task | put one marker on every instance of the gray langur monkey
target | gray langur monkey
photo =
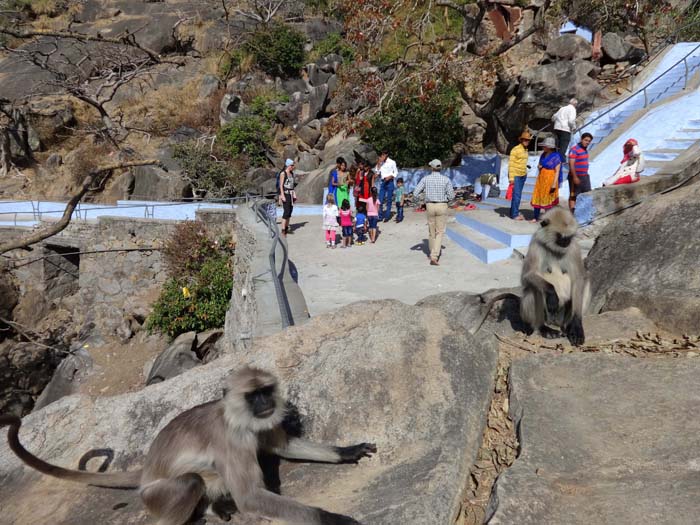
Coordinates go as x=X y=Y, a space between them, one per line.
x=209 y=453
x=555 y=287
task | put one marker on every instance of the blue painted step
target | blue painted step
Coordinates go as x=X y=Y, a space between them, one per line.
x=480 y=246
x=508 y=238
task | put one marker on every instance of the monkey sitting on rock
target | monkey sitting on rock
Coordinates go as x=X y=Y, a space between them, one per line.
x=209 y=453
x=555 y=288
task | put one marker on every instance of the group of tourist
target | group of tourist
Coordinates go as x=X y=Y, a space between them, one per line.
x=359 y=198
x=551 y=166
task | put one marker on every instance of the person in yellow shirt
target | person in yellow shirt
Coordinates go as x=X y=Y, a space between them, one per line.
x=517 y=173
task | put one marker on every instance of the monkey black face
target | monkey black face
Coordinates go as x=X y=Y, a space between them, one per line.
x=262 y=401
x=563 y=240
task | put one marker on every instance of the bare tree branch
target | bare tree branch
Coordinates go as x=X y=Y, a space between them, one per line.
x=63 y=222
x=128 y=39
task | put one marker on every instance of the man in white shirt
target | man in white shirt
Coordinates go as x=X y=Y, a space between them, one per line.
x=387 y=171
x=564 y=125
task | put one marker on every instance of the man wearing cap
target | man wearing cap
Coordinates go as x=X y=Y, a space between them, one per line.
x=287 y=195
x=438 y=191
x=579 y=180
x=517 y=173
x=387 y=171
x=564 y=124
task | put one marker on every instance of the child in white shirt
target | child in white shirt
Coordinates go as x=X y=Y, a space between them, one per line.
x=330 y=220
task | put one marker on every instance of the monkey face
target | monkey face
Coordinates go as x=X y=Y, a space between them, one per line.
x=261 y=401
x=563 y=240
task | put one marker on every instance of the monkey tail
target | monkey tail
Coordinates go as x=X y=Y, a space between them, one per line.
x=488 y=308
x=107 y=453
x=116 y=480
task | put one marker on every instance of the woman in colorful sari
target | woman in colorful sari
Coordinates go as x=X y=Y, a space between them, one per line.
x=546 y=192
x=342 y=192
x=334 y=179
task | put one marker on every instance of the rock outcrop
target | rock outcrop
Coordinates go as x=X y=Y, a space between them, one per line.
x=604 y=438
x=643 y=259
x=400 y=376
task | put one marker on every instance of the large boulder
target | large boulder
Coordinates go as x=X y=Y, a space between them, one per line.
x=644 y=258
x=569 y=47
x=616 y=49
x=551 y=86
x=604 y=439
x=304 y=107
x=310 y=189
x=179 y=357
x=401 y=376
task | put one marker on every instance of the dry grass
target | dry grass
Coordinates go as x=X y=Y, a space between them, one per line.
x=86 y=157
x=163 y=110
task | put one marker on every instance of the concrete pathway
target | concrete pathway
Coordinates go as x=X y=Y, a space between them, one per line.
x=396 y=267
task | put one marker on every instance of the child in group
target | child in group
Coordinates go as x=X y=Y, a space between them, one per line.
x=399 y=199
x=330 y=220
x=360 y=220
x=346 y=223
x=372 y=213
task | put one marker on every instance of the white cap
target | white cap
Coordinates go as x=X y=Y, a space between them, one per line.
x=288 y=162
x=435 y=164
x=549 y=143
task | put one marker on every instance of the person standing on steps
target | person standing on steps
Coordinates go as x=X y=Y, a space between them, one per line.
x=546 y=192
x=517 y=173
x=387 y=171
x=438 y=192
x=287 y=195
x=579 y=180
x=564 y=125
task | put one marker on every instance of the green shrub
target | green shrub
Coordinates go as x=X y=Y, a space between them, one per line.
x=334 y=43
x=260 y=106
x=247 y=135
x=213 y=174
x=278 y=49
x=197 y=303
x=416 y=129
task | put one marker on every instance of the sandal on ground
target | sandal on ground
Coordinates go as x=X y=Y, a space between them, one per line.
x=470 y=206
x=519 y=218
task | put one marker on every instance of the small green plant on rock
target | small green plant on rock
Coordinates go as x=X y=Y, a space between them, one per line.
x=278 y=49
x=197 y=293
x=249 y=136
x=208 y=171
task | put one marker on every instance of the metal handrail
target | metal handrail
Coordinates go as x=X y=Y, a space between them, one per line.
x=644 y=89
x=261 y=208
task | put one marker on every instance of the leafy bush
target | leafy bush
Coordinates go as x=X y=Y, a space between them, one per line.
x=198 y=303
x=417 y=128
x=278 y=49
x=196 y=295
x=187 y=249
x=334 y=43
x=210 y=172
x=247 y=135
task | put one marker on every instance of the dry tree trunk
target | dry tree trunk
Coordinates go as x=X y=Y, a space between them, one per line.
x=5 y=152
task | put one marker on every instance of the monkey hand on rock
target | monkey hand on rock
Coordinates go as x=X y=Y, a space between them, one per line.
x=330 y=518
x=574 y=332
x=355 y=453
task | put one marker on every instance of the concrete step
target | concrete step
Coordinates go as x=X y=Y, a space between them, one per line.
x=477 y=244
x=679 y=143
x=663 y=154
x=501 y=229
